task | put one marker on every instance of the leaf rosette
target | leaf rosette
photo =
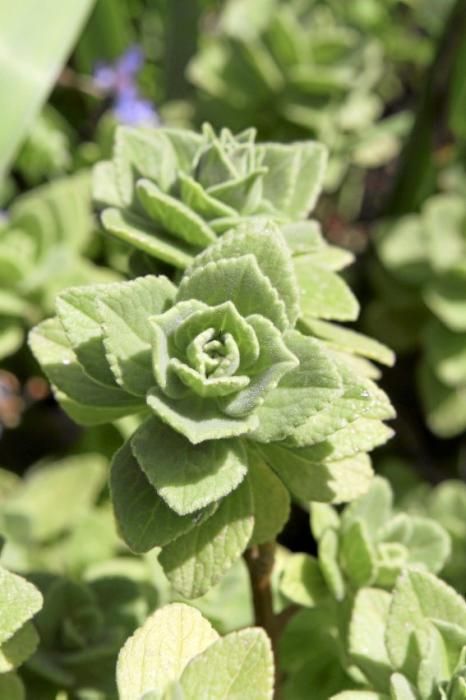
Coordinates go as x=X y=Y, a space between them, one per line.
x=170 y=192
x=231 y=394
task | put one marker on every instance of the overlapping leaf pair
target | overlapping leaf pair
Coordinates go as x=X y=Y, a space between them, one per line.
x=227 y=385
x=432 y=272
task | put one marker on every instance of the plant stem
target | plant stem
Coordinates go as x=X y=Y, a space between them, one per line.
x=260 y=561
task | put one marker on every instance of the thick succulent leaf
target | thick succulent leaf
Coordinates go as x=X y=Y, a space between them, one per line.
x=240 y=281
x=295 y=175
x=366 y=638
x=186 y=144
x=188 y=477
x=304 y=237
x=330 y=258
x=198 y=419
x=330 y=482
x=200 y=201
x=141 y=235
x=349 y=340
x=18 y=648
x=419 y=597
x=243 y=193
x=401 y=688
x=142 y=153
x=196 y=561
x=173 y=216
x=238 y=666
x=124 y=311
x=275 y=360
x=262 y=239
x=157 y=653
x=95 y=402
x=302 y=392
x=19 y=603
x=143 y=518
x=271 y=502
x=78 y=313
x=33 y=513
x=302 y=581
x=324 y=294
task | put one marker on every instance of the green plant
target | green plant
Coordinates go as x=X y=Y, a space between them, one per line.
x=365 y=548
x=427 y=283
x=178 y=654
x=299 y=69
x=42 y=241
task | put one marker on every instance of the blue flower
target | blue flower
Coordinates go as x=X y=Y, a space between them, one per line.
x=119 y=81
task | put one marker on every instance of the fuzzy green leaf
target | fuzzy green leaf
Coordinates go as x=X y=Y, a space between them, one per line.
x=323 y=293
x=157 y=653
x=196 y=561
x=20 y=601
x=271 y=502
x=124 y=311
x=188 y=477
x=302 y=581
x=238 y=666
x=144 y=520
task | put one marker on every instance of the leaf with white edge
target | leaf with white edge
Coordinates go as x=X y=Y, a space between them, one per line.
x=366 y=637
x=324 y=294
x=34 y=514
x=302 y=581
x=198 y=419
x=271 y=502
x=145 y=236
x=173 y=216
x=18 y=648
x=142 y=153
x=20 y=601
x=264 y=240
x=196 y=561
x=238 y=666
x=240 y=281
x=330 y=482
x=143 y=518
x=11 y=687
x=349 y=340
x=302 y=392
x=124 y=312
x=188 y=477
x=96 y=402
x=295 y=175
x=157 y=653
x=419 y=597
